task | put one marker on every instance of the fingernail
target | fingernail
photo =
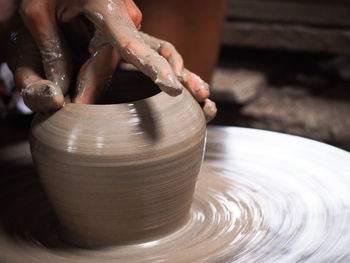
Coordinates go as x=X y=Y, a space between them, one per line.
x=209 y=109
x=202 y=93
x=43 y=97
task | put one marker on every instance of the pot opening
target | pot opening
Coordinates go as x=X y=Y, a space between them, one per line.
x=128 y=86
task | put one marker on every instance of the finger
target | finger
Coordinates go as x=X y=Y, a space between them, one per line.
x=55 y=57
x=198 y=87
x=24 y=60
x=96 y=74
x=39 y=95
x=167 y=50
x=129 y=43
x=209 y=110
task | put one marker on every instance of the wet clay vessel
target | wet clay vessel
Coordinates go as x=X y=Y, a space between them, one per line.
x=290 y=203
x=120 y=173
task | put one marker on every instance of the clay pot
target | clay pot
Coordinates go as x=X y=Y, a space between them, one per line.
x=123 y=172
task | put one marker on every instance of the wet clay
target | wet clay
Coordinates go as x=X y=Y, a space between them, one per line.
x=116 y=20
x=117 y=23
x=23 y=58
x=198 y=88
x=91 y=82
x=120 y=173
x=96 y=73
x=288 y=204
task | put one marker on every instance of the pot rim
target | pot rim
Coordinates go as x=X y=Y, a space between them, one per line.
x=158 y=96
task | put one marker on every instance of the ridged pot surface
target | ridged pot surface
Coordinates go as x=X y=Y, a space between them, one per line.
x=123 y=172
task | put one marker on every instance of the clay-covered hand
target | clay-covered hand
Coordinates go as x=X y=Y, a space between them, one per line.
x=117 y=23
x=88 y=87
x=20 y=52
x=198 y=88
x=117 y=35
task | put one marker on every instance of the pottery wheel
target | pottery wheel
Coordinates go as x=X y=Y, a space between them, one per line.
x=261 y=197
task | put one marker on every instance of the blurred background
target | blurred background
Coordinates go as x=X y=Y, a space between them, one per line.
x=283 y=66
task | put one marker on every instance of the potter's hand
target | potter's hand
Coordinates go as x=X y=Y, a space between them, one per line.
x=198 y=88
x=22 y=56
x=116 y=22
x=87 y=88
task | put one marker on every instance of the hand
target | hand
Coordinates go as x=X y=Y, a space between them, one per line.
x=116 y=22
x=198 y=88
x=116 y=36
x=22 y=56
